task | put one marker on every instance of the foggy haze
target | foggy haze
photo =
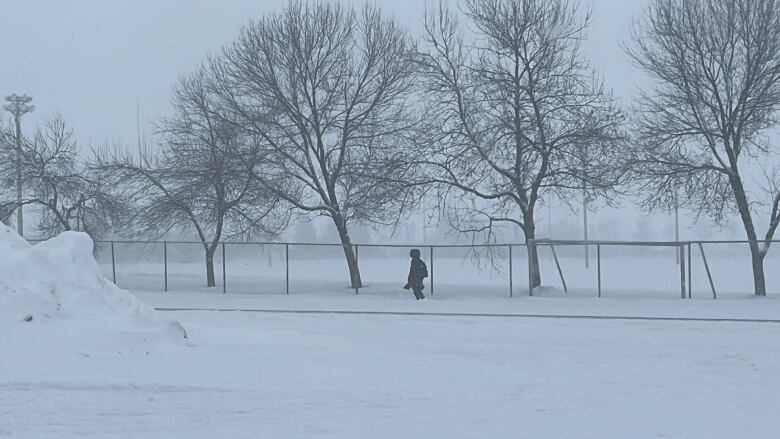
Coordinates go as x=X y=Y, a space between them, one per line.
x=97 y=62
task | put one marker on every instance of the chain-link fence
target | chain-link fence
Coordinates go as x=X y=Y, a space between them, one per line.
x=698 y=269
x=690 y=269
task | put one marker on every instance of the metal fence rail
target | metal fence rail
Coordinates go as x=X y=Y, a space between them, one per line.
x=501 y=256
x=685 y=278
x=683 y=250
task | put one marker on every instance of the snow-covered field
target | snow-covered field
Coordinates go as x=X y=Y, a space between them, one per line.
x=468 y=362
x=384 y=376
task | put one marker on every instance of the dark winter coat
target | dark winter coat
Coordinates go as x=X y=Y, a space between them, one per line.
x=417 y=272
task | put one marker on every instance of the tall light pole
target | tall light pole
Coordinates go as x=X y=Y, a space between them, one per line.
x=677 y=226
x=549 y=219
x=19 y=106
x=584 y=157
x=585 y=221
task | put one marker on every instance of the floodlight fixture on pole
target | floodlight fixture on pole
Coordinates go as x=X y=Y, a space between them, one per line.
x=18 y=106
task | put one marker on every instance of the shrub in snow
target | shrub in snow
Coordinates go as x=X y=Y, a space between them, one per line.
x=60 y=278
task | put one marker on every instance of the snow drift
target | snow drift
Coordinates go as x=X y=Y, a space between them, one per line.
x=59 y=279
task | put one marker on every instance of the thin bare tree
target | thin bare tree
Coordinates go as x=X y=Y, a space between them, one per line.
x=328 y=88
x=513 y=108
x=202 y=178
x=715 y=96
x=67 y=195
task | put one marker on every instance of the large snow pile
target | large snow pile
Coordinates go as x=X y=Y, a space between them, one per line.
x=59 y=279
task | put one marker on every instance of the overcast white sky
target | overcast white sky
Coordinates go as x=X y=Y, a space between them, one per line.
x=93 y=60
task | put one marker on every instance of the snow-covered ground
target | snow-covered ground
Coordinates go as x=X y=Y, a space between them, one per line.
x=469 y=362
x=385 y=376
x=58 y=282
x=551 y=303
x=55 y=305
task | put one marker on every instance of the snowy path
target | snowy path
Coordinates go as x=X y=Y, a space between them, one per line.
x=371 y=376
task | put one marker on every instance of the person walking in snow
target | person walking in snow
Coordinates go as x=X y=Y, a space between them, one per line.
x=417 y=272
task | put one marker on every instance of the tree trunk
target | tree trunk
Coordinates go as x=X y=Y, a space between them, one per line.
x=210 y=279
x=757 y=252
x=757 y=258
x=529 y=230
x=349 y=252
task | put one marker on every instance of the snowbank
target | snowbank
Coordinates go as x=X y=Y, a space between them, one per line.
x=59 y=279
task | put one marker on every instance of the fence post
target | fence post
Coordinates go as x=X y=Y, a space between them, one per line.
x=598 y=265
x=510 y=271
x=431 y=251
x=707 y=267
x=113 y=262
x=560 y=272
x=287 y=267
x=224 y=271
x=681 y=254
x=690 y=273
x=165 y=263
x=357 y=262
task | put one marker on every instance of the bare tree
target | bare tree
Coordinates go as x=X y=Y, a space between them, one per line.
x=203 y=177
x=716 y=71
x=512 y=110
x=67 y=194
x=328 y=89
x=6 y=136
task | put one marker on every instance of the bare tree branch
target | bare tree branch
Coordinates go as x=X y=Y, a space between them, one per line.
x=67 y=195
x=514 y=112
x=203 y=177
x=715 y=67
x=328 y=89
